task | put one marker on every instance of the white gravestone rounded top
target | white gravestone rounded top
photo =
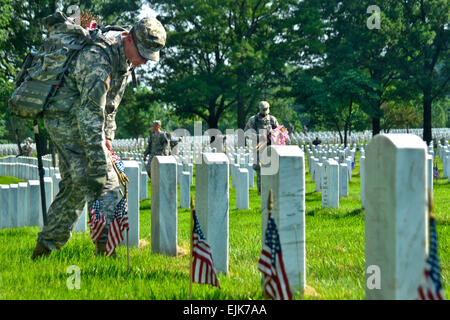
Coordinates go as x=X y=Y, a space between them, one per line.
x=395 y=215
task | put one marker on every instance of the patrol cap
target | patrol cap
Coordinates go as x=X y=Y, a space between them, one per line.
x=156 y=123
x=149 y=37
x=264 y=105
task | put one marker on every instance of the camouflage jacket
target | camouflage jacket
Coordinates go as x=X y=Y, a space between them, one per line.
x=96 y=71
x=158 y=144
x=92 y=89
x=257 y=123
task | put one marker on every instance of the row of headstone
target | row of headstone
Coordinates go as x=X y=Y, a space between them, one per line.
x=444 y=154
x=21 y=203
x=396 y=248
x=22 y=170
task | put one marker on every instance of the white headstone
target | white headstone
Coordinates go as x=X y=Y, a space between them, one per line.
x=242 y=201
x=285 y=176
x=343 y=180
x=430 y=172
x=185 y=190
x=13 y=193
x=395 y=215
x=143 y=185
x=330 y=187
x=4 y=207
x=48 y=187
x=318 y=169
x=35 y=208
x=81 y=225
x=22 y=204
x=212 y=205
x=164 y=205
x=362 y=168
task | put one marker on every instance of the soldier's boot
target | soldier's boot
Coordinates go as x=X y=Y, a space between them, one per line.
x=100 y=249
x=40 y=251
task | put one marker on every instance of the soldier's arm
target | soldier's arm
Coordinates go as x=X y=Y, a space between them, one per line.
x=149 y=146
x=275 y=122
x=92 y=72
x=250 y=124
x=110 y=113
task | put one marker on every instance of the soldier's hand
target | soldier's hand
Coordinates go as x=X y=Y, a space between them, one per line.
x=108 y=144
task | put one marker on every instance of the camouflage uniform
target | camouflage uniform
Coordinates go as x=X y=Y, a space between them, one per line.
x=26 y=147
x=158 y=145
x=257 y=123
x=78 y=125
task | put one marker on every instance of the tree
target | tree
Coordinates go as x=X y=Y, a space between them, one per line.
x=223 y=54
x=21 y=29
x=422 y=45
x=336 y=99
x=400 y=116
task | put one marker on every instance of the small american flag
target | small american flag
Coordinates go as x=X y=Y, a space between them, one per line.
x=98 y=221
x=202 y=265
x=432 y=287
x=435 y=173
x=276 y=284
x=117 y=226
x=116 y=161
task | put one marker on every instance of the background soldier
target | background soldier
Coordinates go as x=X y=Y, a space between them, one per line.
x=81 y=123
x=27 y=148
x=263 y=124
x=158 y=145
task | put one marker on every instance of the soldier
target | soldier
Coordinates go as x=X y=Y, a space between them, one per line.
x=26 y=148
x=263 y=124
x=159 y=144
x=81 y=123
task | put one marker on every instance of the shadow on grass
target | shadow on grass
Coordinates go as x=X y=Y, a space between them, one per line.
x=355 y=212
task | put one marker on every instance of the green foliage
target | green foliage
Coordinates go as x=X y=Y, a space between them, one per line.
x=315 y=61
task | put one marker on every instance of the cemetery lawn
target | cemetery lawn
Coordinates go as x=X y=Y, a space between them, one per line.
x=10 y=180
x=334 y=256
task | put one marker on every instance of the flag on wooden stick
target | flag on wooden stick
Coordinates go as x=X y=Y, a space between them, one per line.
x=98 y=221
x=275 y=281
x=431 y=287
x=202 y=267
x=117 y=226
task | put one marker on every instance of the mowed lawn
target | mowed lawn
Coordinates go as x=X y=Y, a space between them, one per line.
x=334 y=256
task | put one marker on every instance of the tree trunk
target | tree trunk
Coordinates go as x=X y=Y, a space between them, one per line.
x=427 y=103
x=213 y=122
x=241 y=114
x=376 y=127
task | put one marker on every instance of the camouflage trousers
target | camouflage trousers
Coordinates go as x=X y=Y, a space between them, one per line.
x=148 y=166
x=257 y=169
x=66 y=208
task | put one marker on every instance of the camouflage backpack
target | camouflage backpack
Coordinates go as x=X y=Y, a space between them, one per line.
x=43 y=71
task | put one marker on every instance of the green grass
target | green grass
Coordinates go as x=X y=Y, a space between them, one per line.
x=334 y=256
x=10 y=180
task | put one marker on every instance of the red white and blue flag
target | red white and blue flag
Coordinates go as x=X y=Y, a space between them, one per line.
x=275 y=281
x=117 y=162
x=431 y=287
x=98 y=221
x=202 y=264
x=117 y=226
x=435 y=173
